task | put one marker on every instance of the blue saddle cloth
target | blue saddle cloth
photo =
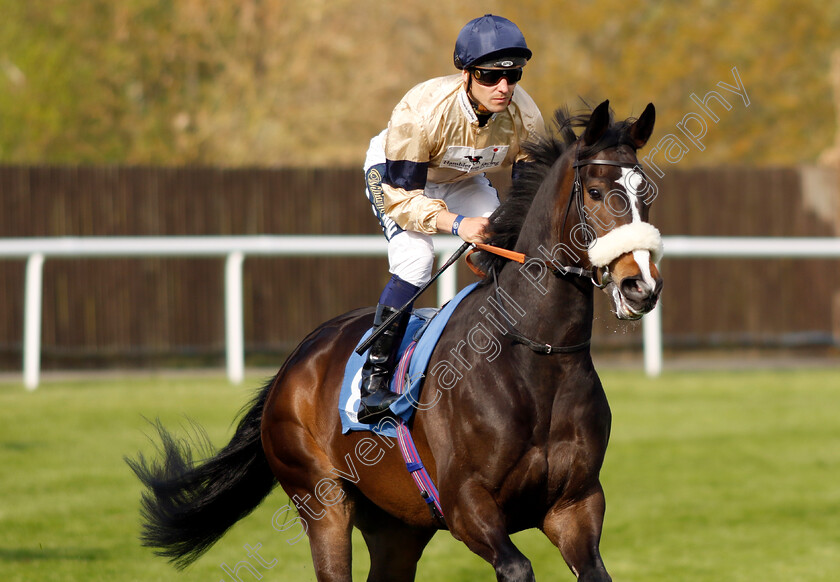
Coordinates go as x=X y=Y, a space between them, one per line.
x=421 y=324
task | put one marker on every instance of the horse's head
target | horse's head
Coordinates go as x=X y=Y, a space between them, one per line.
x=599 y=199
x=612 y=197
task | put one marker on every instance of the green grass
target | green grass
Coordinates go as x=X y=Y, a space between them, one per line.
x=710 y=476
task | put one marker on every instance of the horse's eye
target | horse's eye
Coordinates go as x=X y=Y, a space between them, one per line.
x=594 y=193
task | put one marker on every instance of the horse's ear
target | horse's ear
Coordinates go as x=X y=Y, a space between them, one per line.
x=599 y=121
x=641 y=130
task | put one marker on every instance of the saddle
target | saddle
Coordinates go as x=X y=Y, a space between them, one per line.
x=421 y=336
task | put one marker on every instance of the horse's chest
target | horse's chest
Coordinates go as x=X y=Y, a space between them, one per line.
x=564 y=461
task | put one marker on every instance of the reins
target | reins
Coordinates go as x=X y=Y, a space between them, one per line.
x=522 y=258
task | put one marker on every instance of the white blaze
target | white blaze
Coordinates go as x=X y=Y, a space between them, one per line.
x=642 y=259
x=631 y=180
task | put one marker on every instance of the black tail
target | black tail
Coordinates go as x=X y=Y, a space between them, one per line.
x=190 y=504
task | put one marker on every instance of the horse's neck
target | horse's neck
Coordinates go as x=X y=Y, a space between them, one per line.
x=551 y=309
x=559 y=309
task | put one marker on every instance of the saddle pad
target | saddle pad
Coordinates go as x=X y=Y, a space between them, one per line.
x=348 y=401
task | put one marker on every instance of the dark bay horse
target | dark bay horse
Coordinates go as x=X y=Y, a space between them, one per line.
x=513 y=422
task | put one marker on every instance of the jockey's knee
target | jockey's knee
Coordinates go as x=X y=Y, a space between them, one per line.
x=411 y=256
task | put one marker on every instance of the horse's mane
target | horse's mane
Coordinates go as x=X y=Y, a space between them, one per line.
x=543 y=152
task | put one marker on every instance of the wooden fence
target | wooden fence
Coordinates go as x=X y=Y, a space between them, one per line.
x=158 y=311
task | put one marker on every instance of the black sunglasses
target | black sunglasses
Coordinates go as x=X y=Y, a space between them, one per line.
x=490 y=77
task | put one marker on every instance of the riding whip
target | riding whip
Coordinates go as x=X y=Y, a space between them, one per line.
x=381 y=329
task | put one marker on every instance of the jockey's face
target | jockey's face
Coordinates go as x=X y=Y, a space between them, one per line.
x=491 y=98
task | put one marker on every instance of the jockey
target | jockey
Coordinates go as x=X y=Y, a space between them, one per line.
x=427 y=173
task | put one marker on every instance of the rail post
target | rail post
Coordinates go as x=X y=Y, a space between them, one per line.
x=33 y=301
x=234 y=326
x=447 y=283
x=652 y=341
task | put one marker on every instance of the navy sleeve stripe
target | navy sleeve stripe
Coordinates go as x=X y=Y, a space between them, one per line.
x=406 y=175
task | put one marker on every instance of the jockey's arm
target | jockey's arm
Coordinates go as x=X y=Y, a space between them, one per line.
x=473 y=229
x=411 y=210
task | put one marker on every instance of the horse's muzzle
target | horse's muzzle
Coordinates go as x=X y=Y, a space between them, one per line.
x=636 y=285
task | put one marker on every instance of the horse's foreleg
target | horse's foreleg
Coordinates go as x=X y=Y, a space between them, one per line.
x=576 y=530
x=478 y=521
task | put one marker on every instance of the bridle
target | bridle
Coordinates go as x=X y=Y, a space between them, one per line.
x=600 y=277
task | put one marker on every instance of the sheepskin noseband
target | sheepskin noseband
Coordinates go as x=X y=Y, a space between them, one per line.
x=636 y=236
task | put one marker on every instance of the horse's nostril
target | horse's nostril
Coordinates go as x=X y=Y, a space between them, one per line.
x=635 y=288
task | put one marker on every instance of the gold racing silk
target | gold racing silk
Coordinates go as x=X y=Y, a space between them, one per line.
x=434 y=136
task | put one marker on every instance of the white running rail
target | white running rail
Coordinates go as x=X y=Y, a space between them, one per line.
x=233 y=248
x=236 y=248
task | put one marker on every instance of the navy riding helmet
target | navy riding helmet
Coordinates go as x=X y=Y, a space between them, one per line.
x=483 y=40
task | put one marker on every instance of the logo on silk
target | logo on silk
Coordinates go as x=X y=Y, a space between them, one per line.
x=374 y=184
x=470 y=160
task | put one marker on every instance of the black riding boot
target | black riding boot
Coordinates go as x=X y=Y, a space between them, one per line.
x=376 y=373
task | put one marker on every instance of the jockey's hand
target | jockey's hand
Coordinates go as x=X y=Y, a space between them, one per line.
x=474 y=229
